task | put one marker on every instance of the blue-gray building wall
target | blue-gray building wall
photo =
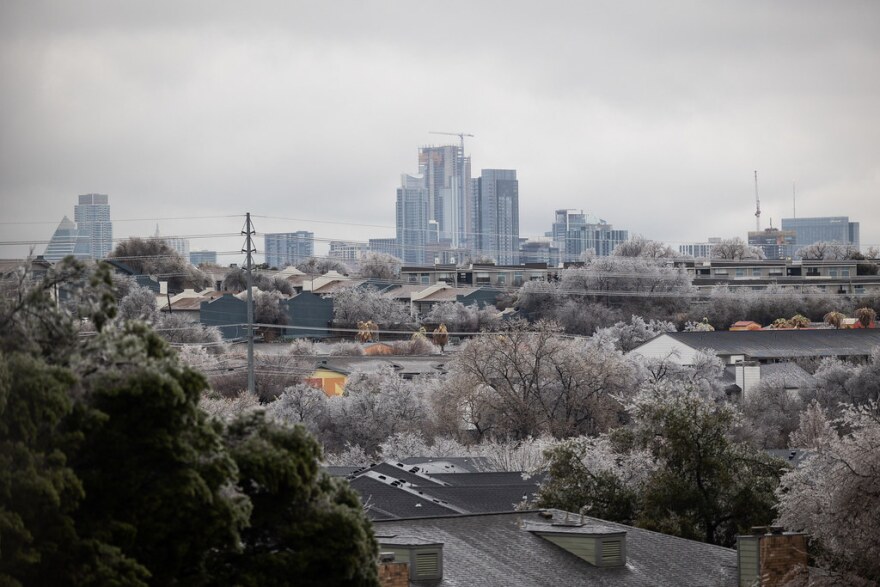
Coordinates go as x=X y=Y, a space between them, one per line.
x=308 y=316
x=823 y=229
x=228 y=313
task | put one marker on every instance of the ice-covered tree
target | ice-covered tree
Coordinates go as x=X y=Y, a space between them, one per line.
x=772 y=412
x=736 y=249
x=592 y=476
x=536 y=381
x=360 y=304
x=379 y=266
x=155 y=257
x=639 y=246
x=827 y=251
x=320 y=266
x=833 y=496
x=626 y=336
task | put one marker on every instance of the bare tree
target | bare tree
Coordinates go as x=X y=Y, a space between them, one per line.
x=532 y=382
x=379 y=266
x=735 y=248
x=828 y=251
x=639 y=246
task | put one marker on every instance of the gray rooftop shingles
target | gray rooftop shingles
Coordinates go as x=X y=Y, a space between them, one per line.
x=496 y=550
x=779 y=344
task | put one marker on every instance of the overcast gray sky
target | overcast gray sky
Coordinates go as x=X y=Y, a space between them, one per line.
x=650 y=115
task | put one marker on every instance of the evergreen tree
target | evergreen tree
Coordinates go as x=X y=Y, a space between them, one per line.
x=110 y=474
x=306 y=528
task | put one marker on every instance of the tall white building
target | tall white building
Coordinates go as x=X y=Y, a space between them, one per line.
x=413 y=215
x=92 y=217
x=289 y=248
x=88 y=236
x=447 y=172
x=496 y=215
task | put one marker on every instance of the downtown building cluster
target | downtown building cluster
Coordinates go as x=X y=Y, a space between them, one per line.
x=443 y=216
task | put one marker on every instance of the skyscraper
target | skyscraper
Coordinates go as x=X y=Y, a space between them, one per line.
x=67 y=240
x=823 y=228
x=288 y=248
x=776 y=244
x=565 y=223
x=413 y=214
x=496 y=215
x=446 y=172
x=92 y=217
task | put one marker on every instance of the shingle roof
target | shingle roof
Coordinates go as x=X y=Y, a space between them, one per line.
x=780 y=344
x=383 y=501
x=497 y=549
x=436 y=465
x=792 y=374
x=456 y=493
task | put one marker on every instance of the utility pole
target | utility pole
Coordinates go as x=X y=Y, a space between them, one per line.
x=249 y=250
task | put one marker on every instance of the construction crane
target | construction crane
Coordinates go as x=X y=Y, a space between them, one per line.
x=757 y=205
x=460 y=135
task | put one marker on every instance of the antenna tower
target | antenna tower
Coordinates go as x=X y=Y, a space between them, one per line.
x=249 y=249
x=757 y=205
x=793 y=200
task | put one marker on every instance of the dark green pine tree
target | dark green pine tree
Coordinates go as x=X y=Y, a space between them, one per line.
x=306 y=528
x=39 y=492
x=157 y=479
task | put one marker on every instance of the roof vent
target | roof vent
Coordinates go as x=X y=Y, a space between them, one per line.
x=599 y=545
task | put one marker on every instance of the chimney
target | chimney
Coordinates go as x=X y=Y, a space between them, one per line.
x=423 y=559
x=392 y=573
x=748 y=374
x=770 y=557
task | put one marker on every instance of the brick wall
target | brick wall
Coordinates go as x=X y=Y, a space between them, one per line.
x=394 y=574
x=782 y=556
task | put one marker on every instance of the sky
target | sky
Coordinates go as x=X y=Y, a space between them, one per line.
x=652 y=116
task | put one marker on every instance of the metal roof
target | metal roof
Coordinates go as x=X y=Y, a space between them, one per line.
x=783 y=344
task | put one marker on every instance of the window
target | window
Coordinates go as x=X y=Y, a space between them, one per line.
x=756 y=272
x=517 y=278
x=844 y=272
x=502 y=279
x=740 y=272
x=482 y=278
x=832 y=272
x=721 y=272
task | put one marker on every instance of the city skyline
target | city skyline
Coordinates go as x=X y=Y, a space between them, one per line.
x=653 y=118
